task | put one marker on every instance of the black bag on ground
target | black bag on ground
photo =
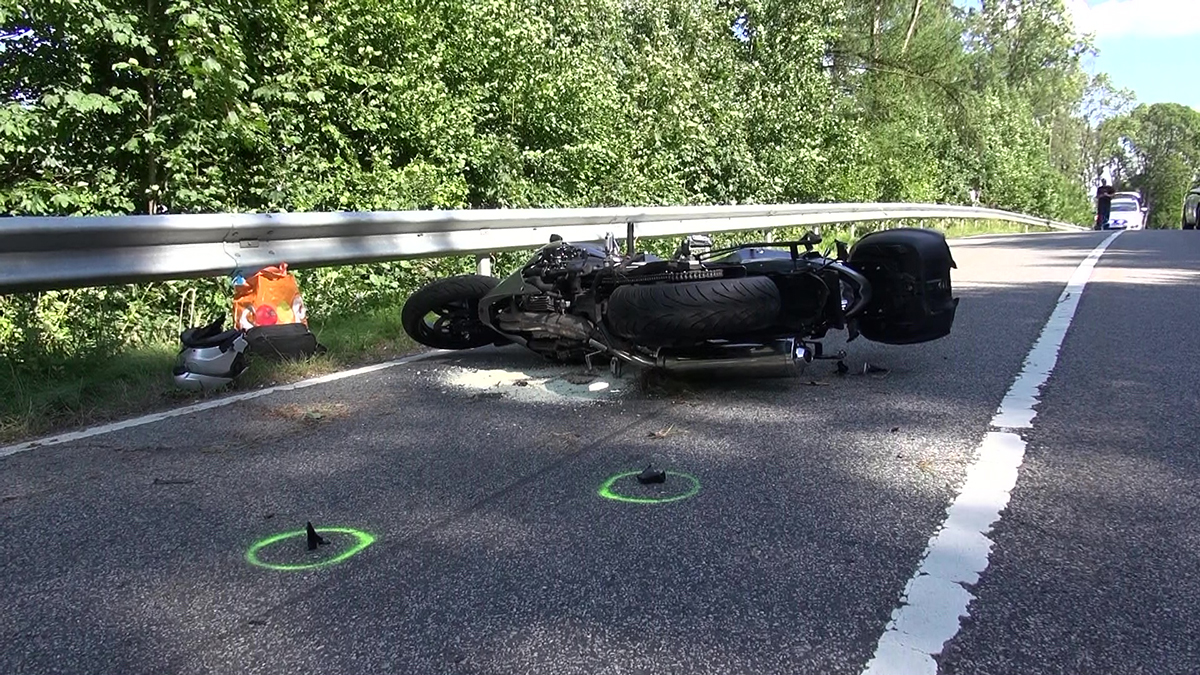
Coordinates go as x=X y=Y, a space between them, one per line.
x=288 y=341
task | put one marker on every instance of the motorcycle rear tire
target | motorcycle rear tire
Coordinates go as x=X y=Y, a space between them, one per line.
x=458 y=295
x=693 y=310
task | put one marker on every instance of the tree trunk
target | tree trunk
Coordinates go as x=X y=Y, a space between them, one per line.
x=876 y=29
x=151 y=157
x=912 y=26
x=151 y=153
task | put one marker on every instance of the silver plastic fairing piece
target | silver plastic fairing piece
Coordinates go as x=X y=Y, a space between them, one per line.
x=209 y=368
x=197 y=382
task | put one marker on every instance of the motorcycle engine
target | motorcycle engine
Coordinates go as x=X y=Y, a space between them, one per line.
x=562 y=259
x=538 y=303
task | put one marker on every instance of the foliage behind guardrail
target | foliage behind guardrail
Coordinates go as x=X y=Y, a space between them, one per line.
x=46 y=327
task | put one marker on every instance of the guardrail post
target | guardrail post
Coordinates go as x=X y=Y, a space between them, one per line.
x=768 y=236
x=483 y=264
x=629 y=237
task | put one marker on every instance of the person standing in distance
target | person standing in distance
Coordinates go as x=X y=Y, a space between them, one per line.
x=1104 y=195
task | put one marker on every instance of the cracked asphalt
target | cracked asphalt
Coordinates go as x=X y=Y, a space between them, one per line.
x=494 y=553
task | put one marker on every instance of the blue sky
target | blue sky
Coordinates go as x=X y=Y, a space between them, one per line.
x=1149 y=46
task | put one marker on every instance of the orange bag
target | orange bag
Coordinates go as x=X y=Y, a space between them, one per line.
x=270 y=297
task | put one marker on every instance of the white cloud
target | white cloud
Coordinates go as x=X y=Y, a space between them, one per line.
x=1142 y=18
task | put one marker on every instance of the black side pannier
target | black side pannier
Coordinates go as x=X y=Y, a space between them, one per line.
x=909 y=271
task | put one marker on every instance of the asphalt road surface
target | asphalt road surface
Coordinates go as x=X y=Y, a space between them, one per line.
x=478 y=476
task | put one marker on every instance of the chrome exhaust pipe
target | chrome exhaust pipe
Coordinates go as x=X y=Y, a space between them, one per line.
x=785 y=358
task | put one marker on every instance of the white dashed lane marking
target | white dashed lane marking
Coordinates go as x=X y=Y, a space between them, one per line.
x=935 y=600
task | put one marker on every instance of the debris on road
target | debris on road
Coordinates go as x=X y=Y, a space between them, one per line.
x=540 y=385
x=869 y=368
x=314 y=539
x=662 y=433
x=651 y=475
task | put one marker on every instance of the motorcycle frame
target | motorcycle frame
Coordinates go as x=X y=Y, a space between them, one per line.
x=773 y=354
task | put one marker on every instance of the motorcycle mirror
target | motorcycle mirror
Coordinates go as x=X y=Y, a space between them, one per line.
x=610 y=246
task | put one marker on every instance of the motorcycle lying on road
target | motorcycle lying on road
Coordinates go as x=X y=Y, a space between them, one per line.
x=755 y=309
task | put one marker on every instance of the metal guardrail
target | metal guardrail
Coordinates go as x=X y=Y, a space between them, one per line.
x=41 y=253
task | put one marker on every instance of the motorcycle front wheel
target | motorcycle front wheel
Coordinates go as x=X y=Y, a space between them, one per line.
x=444 y=314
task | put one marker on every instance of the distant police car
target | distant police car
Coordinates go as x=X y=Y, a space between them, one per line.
x=1126 y=212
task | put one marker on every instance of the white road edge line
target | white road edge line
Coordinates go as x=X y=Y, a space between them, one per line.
x=935 y=600
x=208 y=405
x=1014 y=234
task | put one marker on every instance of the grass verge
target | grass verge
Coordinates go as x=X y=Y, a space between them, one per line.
x=71 y=393
x=957 y=229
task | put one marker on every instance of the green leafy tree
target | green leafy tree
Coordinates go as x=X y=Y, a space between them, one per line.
x=1158 y=153
x=148 y=106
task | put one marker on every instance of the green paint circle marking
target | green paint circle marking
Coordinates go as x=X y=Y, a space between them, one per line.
x=606 y=489
x=361 y=541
